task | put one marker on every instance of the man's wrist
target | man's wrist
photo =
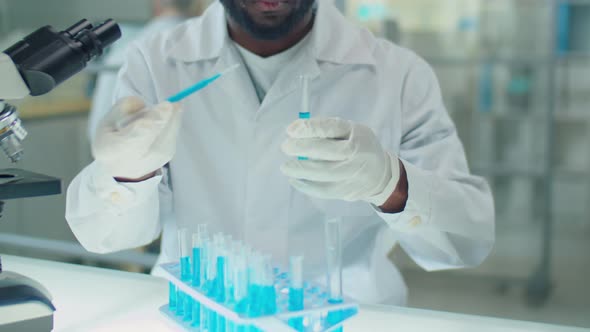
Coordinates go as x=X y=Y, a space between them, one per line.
x=396 y=203
x=141 y=179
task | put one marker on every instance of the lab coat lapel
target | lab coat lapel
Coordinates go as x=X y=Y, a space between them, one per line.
x=237 y=84
x=289 y=78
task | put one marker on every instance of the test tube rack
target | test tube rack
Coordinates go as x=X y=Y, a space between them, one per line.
x=318 y=315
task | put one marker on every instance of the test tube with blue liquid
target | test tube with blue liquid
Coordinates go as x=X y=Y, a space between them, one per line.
x=184 y=304
x=204 y=279
x=240 y=289
x=296 y=295
x=198 y=240
x=220 y=282
x=268 y=287
x=334 y=262
x=172 y=296
x=210 y=288
x=305 y=112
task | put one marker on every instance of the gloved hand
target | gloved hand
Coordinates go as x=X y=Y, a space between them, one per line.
x=346 y=161
x=143 y=146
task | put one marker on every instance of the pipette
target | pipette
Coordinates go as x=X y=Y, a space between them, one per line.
x=177 y=97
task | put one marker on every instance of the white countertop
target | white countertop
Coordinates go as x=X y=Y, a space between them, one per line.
x=92 y=299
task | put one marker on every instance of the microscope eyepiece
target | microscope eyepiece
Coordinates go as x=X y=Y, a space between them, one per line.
x=78 y=27
x=46 y=58
x=108 y=32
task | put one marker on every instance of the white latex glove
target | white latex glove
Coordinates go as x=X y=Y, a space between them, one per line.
x=143 y=146
x=346 y=161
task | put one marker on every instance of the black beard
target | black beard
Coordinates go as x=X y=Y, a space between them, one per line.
x=241 y=17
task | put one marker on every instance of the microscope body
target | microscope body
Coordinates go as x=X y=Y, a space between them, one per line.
x=32 y=67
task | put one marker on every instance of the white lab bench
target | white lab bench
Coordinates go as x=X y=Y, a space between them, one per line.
x=93 y=299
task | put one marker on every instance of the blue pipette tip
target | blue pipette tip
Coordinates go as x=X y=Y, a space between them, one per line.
x=200 y=85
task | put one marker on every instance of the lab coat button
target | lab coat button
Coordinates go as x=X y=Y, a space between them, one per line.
x=116 y=197
x=415 y=222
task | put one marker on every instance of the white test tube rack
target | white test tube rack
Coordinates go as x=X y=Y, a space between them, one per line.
x=278 y=322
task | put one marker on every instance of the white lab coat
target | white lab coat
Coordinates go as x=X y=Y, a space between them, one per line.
x=226 y=168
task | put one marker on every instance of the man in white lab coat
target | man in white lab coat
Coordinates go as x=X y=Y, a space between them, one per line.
x=383 y=154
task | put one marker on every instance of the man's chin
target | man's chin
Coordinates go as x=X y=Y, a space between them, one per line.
x=267 y=25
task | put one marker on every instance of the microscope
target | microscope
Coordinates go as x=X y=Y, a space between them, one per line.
x=34 y=66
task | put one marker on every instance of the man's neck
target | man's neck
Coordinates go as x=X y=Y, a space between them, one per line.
x=168 y=12
x=266 y=48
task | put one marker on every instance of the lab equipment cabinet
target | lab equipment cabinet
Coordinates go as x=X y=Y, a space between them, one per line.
x=515 y=77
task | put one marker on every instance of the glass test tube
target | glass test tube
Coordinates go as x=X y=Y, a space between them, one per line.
x=254 y=285
x=296 y=295
x=269 y=291
x=240 y=285
x=305 y=112
x=198 y=240
x=334 y=259
x=185 y=244
x=172 y=296
x=184 y=249
x=334 y=262
x=205 y=248
x=221 y=260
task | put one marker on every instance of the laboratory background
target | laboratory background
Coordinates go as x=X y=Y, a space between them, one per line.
x=515 y=76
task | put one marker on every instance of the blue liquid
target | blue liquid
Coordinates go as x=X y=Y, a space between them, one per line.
x=196 y=281
x=180 y=303
x=221 y=322
x=212 y=319
x=305 y=116
x=185 y=268
x=270 y=300
x=296 y=297
x=242 y=328
x=255 y=301
x=335 y=317
x=242 y=308
x=196 y=314
x=220 y=284
x=210 y=315
x=188 y=308
x=204 y=321
x=172 y=297
x=196 y=267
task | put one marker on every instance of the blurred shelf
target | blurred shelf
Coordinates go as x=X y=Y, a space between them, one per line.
x=572 y=116
x=504 y=171
x=34 y=110
x=573 y=172
x=576 y=2
x=579 y=117
x=516 y=115
x=495 y=60
x=574 y=55
x=507 y=170
x=560 y=59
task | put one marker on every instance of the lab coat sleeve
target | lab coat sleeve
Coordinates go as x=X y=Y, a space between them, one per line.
x=448 y=221
x=108 y=216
